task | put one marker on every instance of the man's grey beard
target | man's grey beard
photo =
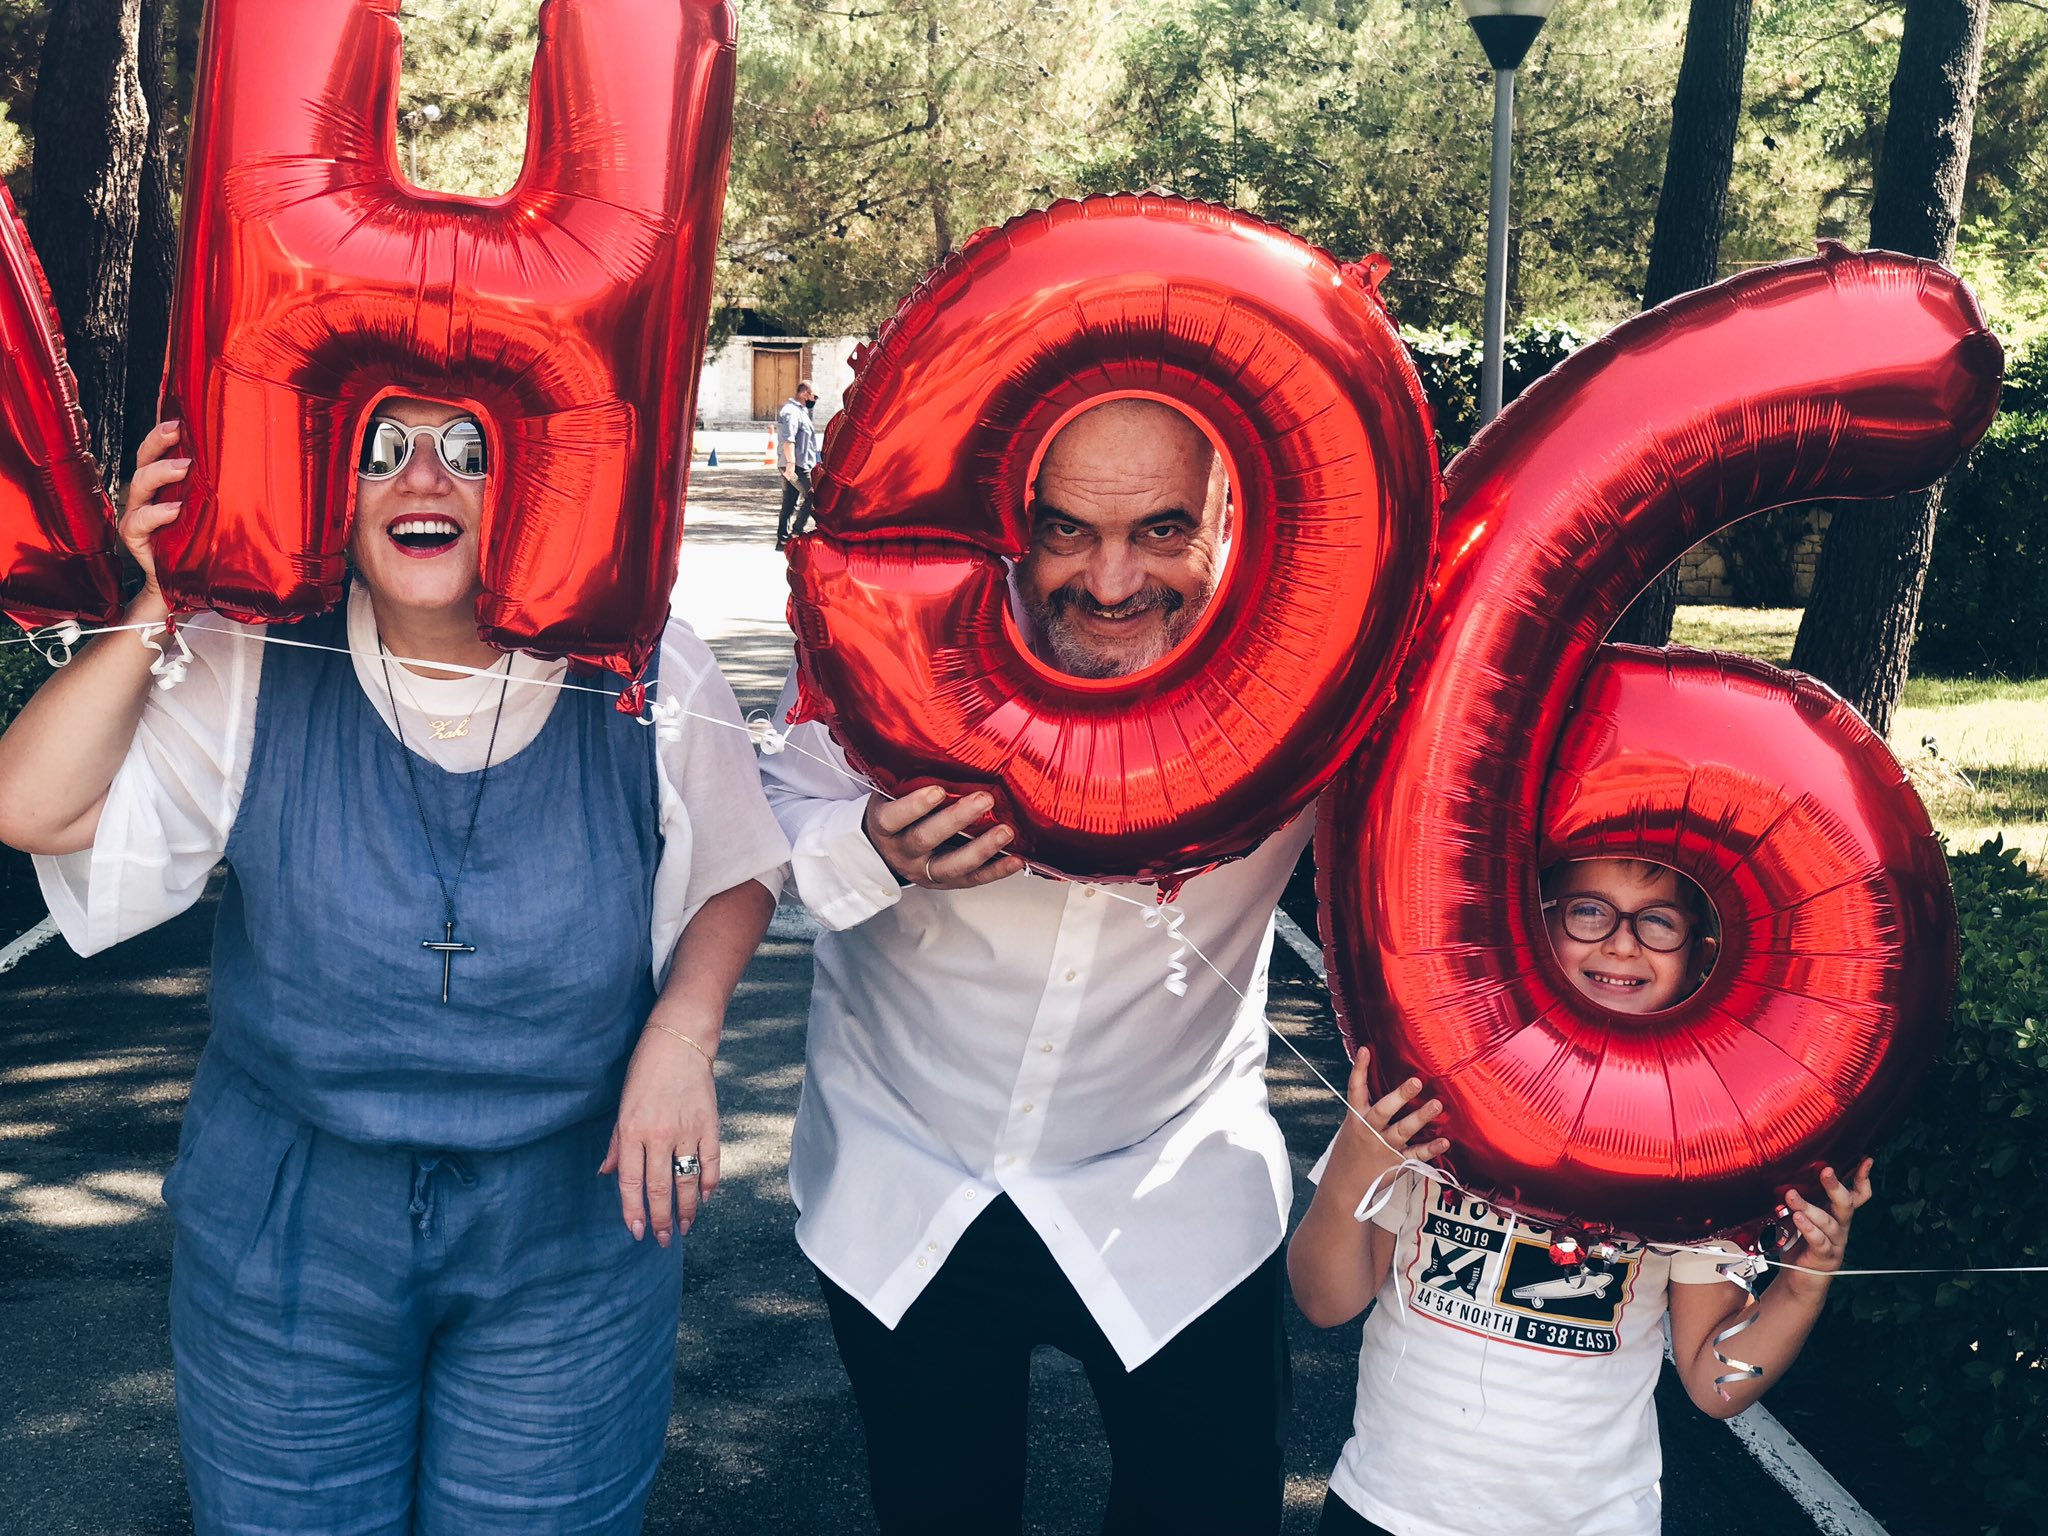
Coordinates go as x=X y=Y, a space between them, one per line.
x=1075 y=656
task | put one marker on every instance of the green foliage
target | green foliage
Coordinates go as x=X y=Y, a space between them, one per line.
x=21 y=672
x=463 y=92
x=1964 y=1363
x=870 y=143
x=1449 y=361
x=1363 y=125
x=1985 y=608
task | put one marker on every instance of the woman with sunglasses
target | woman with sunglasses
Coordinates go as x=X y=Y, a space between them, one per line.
x=474 y=952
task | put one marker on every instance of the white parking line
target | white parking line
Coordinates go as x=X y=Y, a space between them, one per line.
x=27 y=944
x=1832 y=1508
x=1310 y=951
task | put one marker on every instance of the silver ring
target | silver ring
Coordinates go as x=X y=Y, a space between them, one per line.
x=687 y=1165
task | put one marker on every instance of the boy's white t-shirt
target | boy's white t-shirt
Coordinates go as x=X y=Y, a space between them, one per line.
x=1498 y=1392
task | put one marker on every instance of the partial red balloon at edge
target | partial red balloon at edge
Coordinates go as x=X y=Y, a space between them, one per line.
x=1849 y=375
x=906 y=642
x=57 y=537
x=568 y=314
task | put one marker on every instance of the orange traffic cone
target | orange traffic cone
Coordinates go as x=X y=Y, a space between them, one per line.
x=768 y=453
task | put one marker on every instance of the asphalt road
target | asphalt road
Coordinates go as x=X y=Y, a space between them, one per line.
x=95 y=1056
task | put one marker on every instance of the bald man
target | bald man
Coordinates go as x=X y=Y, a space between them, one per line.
x=1011 y=1133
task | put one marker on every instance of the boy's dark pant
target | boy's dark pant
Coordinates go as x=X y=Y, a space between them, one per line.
x=1195 y=1433
x=1340 y=1519
x=796 y=500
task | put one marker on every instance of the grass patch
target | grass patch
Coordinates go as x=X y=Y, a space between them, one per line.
x=1975 y=748
x=1765 y=633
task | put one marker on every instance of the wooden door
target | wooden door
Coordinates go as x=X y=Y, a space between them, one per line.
x=775 y=379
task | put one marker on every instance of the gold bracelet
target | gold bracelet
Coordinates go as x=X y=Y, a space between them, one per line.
x=693 y=1045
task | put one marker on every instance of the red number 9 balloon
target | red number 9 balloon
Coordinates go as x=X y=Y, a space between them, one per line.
x=1849 y=375
x=568 y=314
x=906 y=643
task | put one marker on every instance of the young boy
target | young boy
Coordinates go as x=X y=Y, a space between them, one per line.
x=1502 y=1391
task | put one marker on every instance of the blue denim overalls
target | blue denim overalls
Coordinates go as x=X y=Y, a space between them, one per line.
x=401 y=1297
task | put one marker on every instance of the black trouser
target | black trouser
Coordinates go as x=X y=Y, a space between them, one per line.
x=796 y=498
x=1195 y=1433
x=1340 y=1519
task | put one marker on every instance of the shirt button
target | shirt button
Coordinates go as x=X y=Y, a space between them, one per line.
x=931 y=1247
x=1089 y=892
x=969 y=1195
x=1047 y=1047
x=1027 y=1109
x=1072 y=974
x=924 y=1263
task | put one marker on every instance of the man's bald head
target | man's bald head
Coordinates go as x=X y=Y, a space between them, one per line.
x=1127 y=530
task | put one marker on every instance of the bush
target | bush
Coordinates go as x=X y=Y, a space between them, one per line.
x=1985 y=608
x=1449 y=362
x=1963 y=1360
x=21 y=672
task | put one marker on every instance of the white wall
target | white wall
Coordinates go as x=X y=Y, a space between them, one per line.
x=725 y=390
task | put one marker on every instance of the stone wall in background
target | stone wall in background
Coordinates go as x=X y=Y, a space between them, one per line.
x=1703 y=573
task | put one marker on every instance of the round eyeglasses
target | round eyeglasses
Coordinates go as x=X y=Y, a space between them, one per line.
x=387 y=447
x=1592 y=919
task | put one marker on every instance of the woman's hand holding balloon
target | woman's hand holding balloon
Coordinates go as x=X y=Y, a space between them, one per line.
x=59 y=757
x=142 y=516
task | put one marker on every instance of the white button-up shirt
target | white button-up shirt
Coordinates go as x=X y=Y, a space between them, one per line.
x=1020 y=1039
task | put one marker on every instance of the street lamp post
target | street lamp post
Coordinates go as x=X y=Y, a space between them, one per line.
x=1505 y=29
x=416 y=119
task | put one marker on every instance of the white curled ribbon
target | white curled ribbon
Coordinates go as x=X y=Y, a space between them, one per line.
x=55 y=642
x=666 y=716
x=1171 y=917
x=1739 y=1272
x=762 y=733
x=168 y=670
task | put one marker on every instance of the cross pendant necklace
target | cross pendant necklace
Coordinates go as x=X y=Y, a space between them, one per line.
x=445 y=946
x=448 y=949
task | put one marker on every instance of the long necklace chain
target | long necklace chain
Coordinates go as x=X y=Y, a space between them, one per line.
x=446 y=947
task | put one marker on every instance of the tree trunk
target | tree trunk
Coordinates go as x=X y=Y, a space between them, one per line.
x=1685 y=245
x=1857 y=635
x=156 y=235
x=91 y=129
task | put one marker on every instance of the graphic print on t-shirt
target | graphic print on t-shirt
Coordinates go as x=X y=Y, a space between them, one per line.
x=1467 y=1272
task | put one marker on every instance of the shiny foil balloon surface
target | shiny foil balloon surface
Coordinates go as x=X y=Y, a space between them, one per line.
x=907 y=645
x=57 y=539
x=1848 y=375
x=568 y=314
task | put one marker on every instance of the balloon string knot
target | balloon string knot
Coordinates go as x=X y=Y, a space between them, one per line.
x=762 y=733
x=1739 y=1272
x=167 y=669
x=666 y=716
x=55 y=642
x=1170 y=918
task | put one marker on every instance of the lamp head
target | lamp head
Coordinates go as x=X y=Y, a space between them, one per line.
x=1506 y=28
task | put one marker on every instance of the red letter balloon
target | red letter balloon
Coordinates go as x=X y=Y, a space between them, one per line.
x=568 y=313
x=1849 y=375
x=907 y=644
x=57 y=536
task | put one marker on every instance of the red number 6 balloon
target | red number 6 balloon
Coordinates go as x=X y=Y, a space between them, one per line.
x=568 y=313
x=906 y=642
x=1849 y=375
